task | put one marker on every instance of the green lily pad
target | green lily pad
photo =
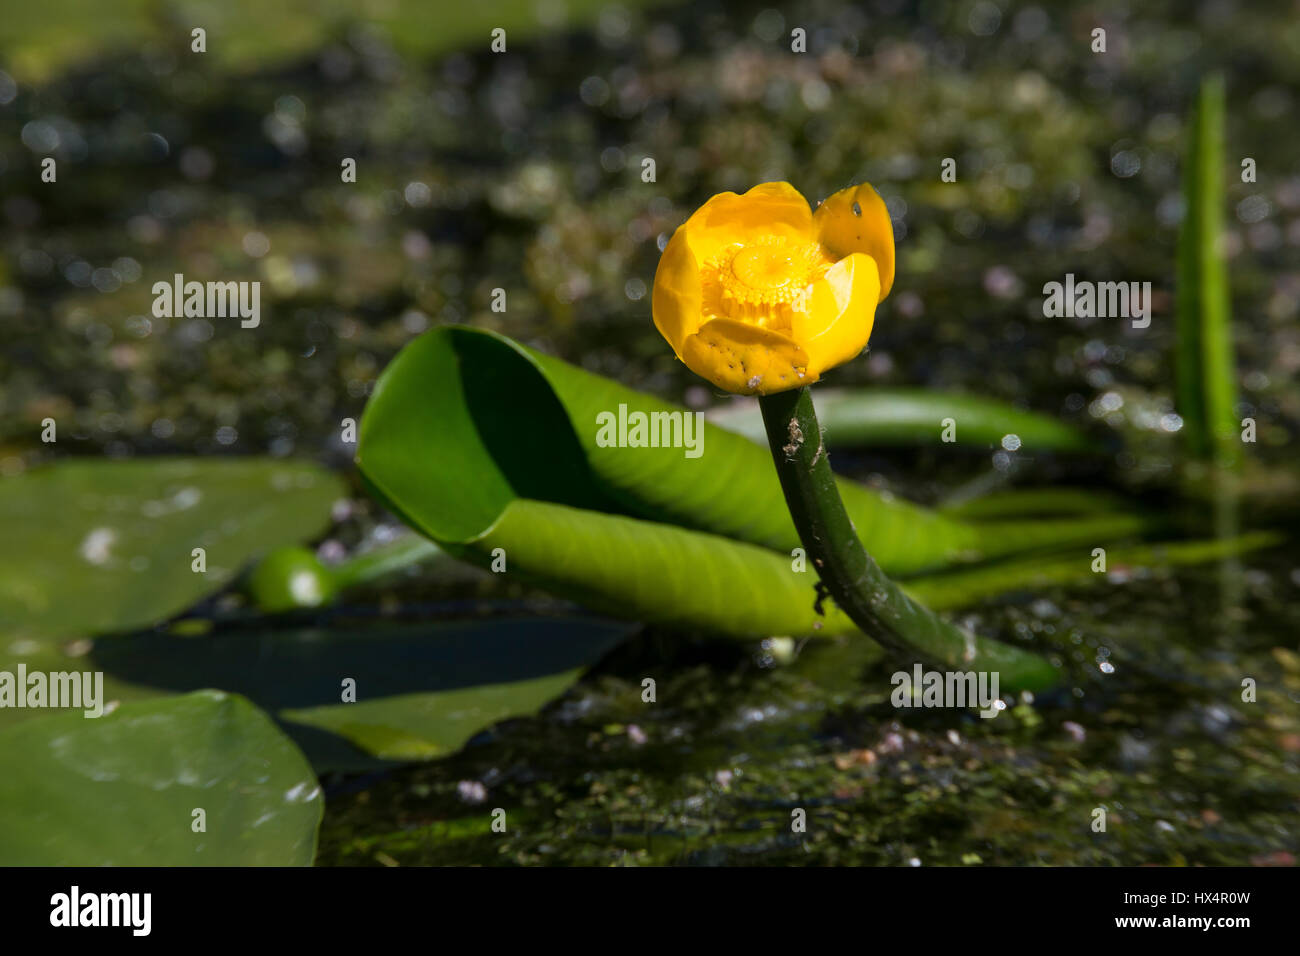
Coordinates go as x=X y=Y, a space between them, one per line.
x=52 y=658
x=93 y=547
x=122 y=789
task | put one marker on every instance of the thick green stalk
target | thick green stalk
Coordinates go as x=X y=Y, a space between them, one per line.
x=850 y=576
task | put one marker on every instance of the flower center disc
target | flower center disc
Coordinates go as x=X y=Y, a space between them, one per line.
x=763 y=281
x=765 y=268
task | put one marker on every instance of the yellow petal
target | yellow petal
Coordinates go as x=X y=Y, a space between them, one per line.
x=746 y=359
x=772 y=209
x=676 y=302
x=869 y=230
x=841 y=310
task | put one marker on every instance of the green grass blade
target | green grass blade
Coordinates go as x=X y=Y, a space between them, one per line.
x=1205 y=363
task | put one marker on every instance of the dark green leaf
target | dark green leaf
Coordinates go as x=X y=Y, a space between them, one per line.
x=421 y=690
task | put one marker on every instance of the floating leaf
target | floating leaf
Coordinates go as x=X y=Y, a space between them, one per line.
x=98 y=546
x=121 y=790
x=421 y=690
x=49 y=658
x=241 y=34
x=914 y=416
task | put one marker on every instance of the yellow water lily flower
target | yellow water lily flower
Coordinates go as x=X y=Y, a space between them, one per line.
x=759 y=294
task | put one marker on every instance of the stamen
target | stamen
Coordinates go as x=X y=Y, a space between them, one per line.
x=762 y=282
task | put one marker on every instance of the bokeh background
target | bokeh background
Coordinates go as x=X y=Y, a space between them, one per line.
x=523 y=171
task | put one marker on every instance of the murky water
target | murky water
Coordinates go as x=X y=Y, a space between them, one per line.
x=524 y=174
x=1185 y=770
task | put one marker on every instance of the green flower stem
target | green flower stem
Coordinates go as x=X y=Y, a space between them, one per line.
x=403 y=551
x=292 y=577
x=850 y=576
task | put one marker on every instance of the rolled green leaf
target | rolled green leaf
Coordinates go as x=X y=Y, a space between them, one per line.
x=464 y=423
x=494 y=451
